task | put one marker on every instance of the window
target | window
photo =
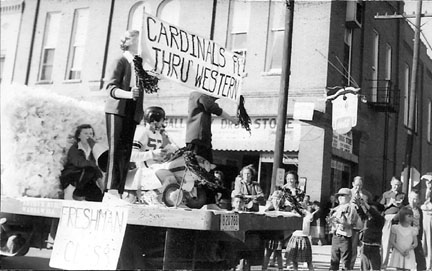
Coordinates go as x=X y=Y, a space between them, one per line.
x=135 y=20
x=375 y=54
x=388 y=71
x=347 y=56
x=341 y=174
x=406 y=90
x=76 y=50
x=429 y=122
x=2 y=61
x=239 y=27
x=169 y=11
x=388 y=63
x=275 y=36
x=52 y=27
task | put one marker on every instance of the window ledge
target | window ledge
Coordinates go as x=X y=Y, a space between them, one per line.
x=271 y=73
x=73 y=81
x=44 y=83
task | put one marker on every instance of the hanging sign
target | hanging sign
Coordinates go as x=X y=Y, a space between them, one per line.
x=186 y=58
x=89 y=236
x=345 y=104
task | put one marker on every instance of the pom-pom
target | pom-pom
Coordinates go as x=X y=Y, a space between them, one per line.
x=243 y=116
x=144 y=81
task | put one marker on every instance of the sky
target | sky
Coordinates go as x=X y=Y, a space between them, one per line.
x=410 y=8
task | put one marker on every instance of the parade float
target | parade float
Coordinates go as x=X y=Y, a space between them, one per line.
x=37 y=130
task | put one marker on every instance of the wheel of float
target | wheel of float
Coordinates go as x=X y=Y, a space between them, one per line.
x=198 y=201
x=172 y=195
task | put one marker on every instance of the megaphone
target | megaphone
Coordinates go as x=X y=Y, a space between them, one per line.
x=100 y=153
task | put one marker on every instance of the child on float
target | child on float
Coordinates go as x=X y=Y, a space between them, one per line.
x=403 y=239
x=141 y=182
x=81 y=177
x=237 y=203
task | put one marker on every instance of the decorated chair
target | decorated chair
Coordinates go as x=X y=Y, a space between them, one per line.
x=186 y=180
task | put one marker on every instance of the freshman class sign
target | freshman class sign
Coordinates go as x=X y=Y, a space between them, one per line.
x=191 y=60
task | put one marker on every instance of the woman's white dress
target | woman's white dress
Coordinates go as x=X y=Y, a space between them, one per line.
x=404 y=238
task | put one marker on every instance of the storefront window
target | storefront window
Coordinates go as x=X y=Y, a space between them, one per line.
x=341 y=175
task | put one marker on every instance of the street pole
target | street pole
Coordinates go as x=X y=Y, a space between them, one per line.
x=412 y=100
x=283 y=92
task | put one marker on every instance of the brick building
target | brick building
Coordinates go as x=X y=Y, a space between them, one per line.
x=67 y=46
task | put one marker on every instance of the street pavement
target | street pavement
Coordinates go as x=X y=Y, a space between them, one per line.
x=320 y=260
x=38 y=259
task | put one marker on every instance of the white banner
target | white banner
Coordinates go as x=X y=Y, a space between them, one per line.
x=191 y=60
x=89 y=236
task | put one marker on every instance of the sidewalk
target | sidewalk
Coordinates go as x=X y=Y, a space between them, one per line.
x=320 y=259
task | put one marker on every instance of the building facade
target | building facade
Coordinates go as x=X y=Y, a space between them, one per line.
x=67 y=46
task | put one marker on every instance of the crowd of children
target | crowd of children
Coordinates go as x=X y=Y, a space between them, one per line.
x=353 y=214
x=407 y=226
x=354 y=218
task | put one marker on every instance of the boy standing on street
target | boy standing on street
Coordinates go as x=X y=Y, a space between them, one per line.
x=371 y=234
x=343 y=218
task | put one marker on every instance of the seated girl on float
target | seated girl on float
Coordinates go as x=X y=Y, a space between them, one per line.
x=81 y=177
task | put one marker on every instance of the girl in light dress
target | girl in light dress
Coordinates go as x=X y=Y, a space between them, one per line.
x=403 y=239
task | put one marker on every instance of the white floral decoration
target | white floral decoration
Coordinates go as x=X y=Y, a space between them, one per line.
x=37 y=130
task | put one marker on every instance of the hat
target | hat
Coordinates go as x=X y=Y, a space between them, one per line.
x=344 y=191
x=427 y=176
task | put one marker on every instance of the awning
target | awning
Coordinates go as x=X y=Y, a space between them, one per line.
x=228 y=137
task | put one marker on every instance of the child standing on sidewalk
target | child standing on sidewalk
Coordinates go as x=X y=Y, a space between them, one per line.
x=342 y=219
x=414 y=205
x=299 y=247
x=403 y=239
x=371 y=234
x=273 y=246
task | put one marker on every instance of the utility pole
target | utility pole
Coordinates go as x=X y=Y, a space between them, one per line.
x=283 y=92
x=412 y=100
x=413 y=89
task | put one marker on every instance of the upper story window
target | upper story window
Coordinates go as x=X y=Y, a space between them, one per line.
x=135 y=19
x=51 y=33
x=169 y=11
x=347 y=56
x=239 y=26
x=388 y=62
x=275 y=35
x=77 y=46
x=429 y=122
x=2 y=61
x=406 y=86
x=375 y=56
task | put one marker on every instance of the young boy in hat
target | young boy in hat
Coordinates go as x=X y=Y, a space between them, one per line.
x=343 y=218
